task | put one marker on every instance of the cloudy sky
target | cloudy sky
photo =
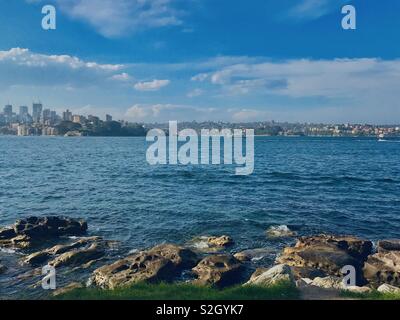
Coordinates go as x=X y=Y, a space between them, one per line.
x=160 y=60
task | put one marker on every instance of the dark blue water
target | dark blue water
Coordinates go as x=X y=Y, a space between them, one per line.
x=334 y=185
x=343 y=185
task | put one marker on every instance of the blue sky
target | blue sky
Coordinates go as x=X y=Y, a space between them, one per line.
x=158 y=60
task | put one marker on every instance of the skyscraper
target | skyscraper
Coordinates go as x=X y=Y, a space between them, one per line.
x=8 y=110
x=37 y=112
x=53 y=117
x=23 y=114
x=108 y=118
x=67 y=116
x=46 y=115
x=23 y=111
x=8 y=113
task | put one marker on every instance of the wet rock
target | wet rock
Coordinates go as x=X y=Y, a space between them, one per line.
x=210 y=244
x=37 y=258
x=79 y=256
x=222 y=241
x=48 y=227
x=62 y=248
x=387 y=288
x=136 y=268
x=388 y=245
x=68 y=288
x=253 y=254
x=328 y=254
x=383 y=268
x=3 y=269
x=7 y=233
x=272 y=276
x=219 y=270
x=30 y=231
x=282 y=231
x=21 y=242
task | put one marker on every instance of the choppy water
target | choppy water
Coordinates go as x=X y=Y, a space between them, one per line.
x=336 y=185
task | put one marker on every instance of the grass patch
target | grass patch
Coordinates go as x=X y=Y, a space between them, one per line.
x=374 y=295
x=163 y=291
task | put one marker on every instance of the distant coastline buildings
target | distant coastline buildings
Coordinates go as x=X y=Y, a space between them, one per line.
x=45 y=121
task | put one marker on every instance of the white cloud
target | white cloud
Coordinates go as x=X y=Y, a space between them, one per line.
x=200 y=77
x=195 y=93
x=121 y=77
x=338 y=78
x=314 y=9
x=168 y=112
x=20 y=67
x=114 y=18
x=24 y=57
x=246 y=115
x=153 y=85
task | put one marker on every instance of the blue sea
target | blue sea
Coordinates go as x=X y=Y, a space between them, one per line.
x=310 y=184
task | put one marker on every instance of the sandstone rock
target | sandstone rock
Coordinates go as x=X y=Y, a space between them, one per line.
x=280 y=232
x=219 y=270
x=181 y=257
x=222 y=241
x=21 y=242
x=79 y=256
x=27 y=232
x=388 y=245
x=253 y=254
x=328 y=283
x=161 y=263
x=307 y=272
x=356 y=289
x=68 y=288
x=210 y=244
x=274 y=275
x=37 y=258
x=62 y=248
x=139 y=267
x=328 y=254
x=381 y=268
x=387 y=288
x=40 y=257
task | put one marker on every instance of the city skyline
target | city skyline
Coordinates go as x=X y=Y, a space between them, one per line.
x=195 y=60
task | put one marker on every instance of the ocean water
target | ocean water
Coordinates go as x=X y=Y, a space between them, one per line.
x=313 y=185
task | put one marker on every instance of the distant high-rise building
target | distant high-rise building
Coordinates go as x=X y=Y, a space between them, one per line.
x=46 y=115
x=23 y=111
x=108 y=118
x=8 y=110
x=67 y=115
x=8 y=113
x=23 y=114
x=37 y=109
x=53 y=117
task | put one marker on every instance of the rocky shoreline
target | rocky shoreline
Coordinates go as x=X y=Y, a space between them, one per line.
x=313 y=262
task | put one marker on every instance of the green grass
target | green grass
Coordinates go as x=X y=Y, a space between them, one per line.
x=374 y=295
x=143 y=291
